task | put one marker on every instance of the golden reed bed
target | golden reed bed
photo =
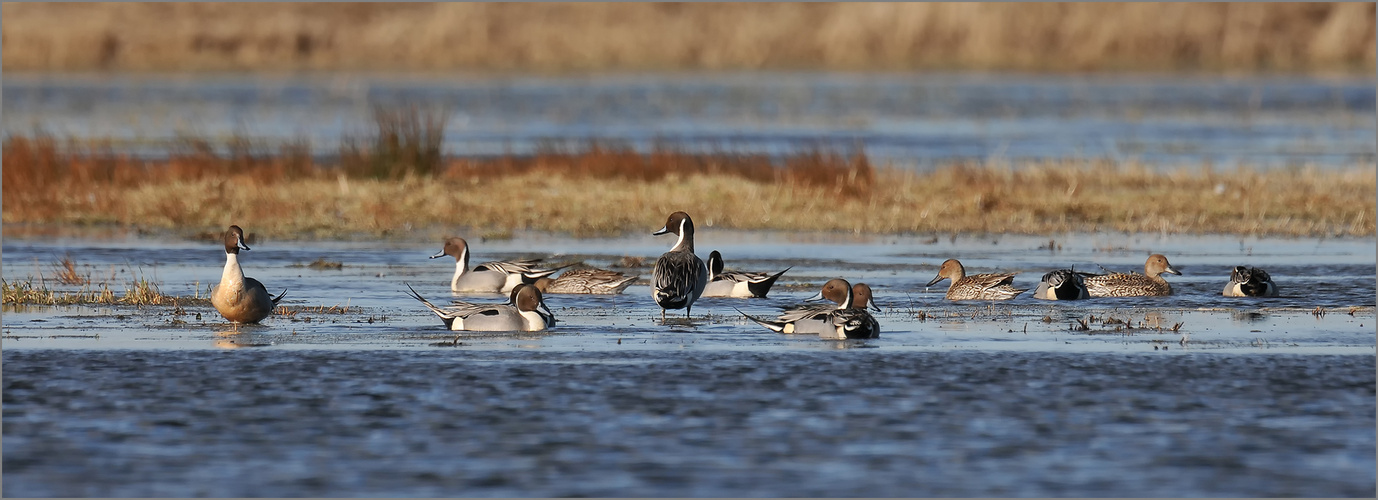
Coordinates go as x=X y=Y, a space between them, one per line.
x=603 y=191
x=693 y=36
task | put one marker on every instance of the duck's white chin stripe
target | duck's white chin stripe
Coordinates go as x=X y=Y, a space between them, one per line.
x=680 y=241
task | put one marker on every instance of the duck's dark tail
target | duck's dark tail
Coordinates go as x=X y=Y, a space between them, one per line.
x=761 y=288
x=280 y=296
x=778 y=327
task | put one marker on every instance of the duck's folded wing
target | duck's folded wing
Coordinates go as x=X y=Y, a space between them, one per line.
x=676 y=274
x=992 y=280
x=509 y=266
x=807 y=312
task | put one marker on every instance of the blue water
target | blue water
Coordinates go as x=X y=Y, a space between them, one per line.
x=364 y=393
x=908 y=120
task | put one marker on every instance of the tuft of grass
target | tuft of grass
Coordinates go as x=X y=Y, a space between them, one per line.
x=66 y=270
x=140 y=292
x=321 y=264
x=406 y=141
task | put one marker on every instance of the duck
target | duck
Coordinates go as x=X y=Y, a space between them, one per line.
x=1133 y=284
x=846 y=320
x=524 y=311
x=679 y=276
x=1250 y=282
x=238 y=298
x=591 y=281
x=490 y=277
x=993 y=286
x=1062 y=284
x=737 y=284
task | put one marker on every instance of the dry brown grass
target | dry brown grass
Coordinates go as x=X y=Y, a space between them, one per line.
x=608 y=190
x=66 y=271
x=139 y=292
x=661 y=36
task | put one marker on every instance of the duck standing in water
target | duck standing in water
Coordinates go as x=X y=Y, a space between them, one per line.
x=679 y=276
x=238 y=298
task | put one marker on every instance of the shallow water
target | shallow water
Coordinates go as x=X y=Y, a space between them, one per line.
x=1250 y=397
x=912 y=120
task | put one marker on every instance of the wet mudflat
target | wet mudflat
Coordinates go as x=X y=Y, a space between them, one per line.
x=1249 y=397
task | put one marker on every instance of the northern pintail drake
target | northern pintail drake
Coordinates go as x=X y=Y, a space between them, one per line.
x=1133 y=284
x=1250 y=282
x=492 y=277
x=738 y=284
x=1062 y=284
x=993 y=286
x=592 y=281
x=846 y=320
x=524 y=311
x=679 y=276
x=238 y=298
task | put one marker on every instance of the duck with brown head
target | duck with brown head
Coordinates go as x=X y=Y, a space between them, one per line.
x=490 y=277
x=679 y=276
x=1151 y=283
x=993 y=286
x=238 y=298
x=525 y=311
x=846 y=320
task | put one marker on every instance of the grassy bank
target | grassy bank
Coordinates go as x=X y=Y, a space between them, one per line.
x=603 y=191
x=677 y=36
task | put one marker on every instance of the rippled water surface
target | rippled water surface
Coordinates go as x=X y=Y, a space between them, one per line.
x=913 y=120
x=1249 y=397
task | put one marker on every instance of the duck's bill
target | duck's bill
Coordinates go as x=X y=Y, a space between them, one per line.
x=935 y=281
x=816 y=297
x=439 y=255
x=1173 y=271
x=873 y=305
x=662 y=230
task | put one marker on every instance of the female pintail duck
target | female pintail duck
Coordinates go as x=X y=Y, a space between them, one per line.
x=679 y=276
x=492 y=277
x=994 y=286
x=1133 y=284
x=736 y=284
x=846 y=320
x=238 y=298
x=1062 y=284
x=593 y=281
x=524 y=311
x=1250 y=282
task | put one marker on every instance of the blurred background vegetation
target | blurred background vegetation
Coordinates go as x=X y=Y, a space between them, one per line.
x=559 y=37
